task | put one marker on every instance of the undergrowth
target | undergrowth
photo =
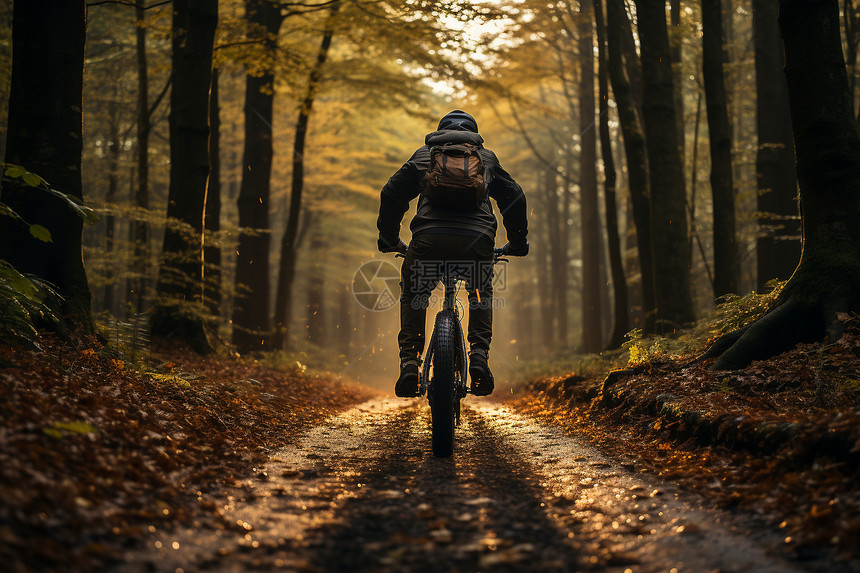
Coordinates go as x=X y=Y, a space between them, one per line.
x=733 y=313
x=23 y=305
x=306 y=358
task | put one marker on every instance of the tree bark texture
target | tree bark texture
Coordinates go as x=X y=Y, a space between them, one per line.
x=827 y=280
x=287 y=265
x=778 y=246
x=179 y=309
x=620 y=314
x=726 y=268
x=634 y=148
x=592 y=331
x=251 y=309
x=669 y=244
x=44 y=136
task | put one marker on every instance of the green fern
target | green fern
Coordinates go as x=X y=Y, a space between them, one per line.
x=23 y=305
x=128 y=339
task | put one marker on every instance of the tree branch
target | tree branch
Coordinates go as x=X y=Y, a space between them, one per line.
x=152 y=108
x=158 y=99
x=141 y=5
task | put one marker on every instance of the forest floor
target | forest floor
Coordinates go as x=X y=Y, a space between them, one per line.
x=187 y=463
x=779 y=440
x=95 y=453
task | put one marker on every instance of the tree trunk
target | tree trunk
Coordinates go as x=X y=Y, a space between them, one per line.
x=631 y=258
x=344 y=320
x=852 y=44
x=634 y=149
x=726 y=268
x=556 y=260
x=523 y=299
x=545 y=296
x=251 y=306
x=287 y=266
x=676 y=42
x=778 y=245
x=212 y=294
x=694 y=180
x=544 y=255
x=694 y=173
x=592 y=331
x=827 y=280
x=627 y=48
x=668 y=213
x=620 y=318
x=113 y=148
x=44 y=136
x=5 y=56
x=140 y=230
x=179 y=309
x=564 y=256
x=316 y=290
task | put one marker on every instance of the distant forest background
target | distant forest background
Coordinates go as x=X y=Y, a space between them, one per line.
x=657 y=160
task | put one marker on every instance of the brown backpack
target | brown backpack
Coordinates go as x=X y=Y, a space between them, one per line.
x=455 y=179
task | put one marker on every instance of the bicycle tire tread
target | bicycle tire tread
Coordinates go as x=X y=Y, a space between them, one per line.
x=442 y=387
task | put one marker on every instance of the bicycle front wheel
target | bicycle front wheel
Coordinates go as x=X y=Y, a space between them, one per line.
x=441 y=392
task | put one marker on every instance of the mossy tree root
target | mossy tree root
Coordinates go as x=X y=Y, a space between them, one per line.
x=720 y=345
x=788 y=324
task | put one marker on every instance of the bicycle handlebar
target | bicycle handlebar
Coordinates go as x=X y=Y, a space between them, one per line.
x=498 y=255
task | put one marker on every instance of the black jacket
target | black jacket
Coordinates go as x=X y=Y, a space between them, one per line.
x=407 y=183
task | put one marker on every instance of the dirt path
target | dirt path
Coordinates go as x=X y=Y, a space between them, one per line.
x=362 y=492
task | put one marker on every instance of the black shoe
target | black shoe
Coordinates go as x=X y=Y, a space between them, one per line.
x=407 y=385
x=479 y=372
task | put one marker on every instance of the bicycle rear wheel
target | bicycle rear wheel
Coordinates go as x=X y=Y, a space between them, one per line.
x=441 y=392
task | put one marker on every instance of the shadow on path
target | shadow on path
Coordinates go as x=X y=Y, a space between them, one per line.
x=480 y=509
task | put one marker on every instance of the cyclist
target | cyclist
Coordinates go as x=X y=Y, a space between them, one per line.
x=445 y=233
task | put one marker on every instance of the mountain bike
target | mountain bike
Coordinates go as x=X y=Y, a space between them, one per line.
x=445 y=368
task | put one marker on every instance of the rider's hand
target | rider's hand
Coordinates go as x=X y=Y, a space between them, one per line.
x=390 y=247
x=516 y=249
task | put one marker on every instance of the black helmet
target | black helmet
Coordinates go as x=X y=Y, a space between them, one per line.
x=459 y=120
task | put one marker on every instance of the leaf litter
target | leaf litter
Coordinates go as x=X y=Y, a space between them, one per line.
x=94 y=454
x=779 y=440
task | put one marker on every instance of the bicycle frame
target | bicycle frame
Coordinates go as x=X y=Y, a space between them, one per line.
x=449 y=303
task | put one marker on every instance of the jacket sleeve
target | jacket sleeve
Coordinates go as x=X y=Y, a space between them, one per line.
x=512 y=203
x=403 y=187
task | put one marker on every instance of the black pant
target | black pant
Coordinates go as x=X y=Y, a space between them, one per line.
x=426 y=261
